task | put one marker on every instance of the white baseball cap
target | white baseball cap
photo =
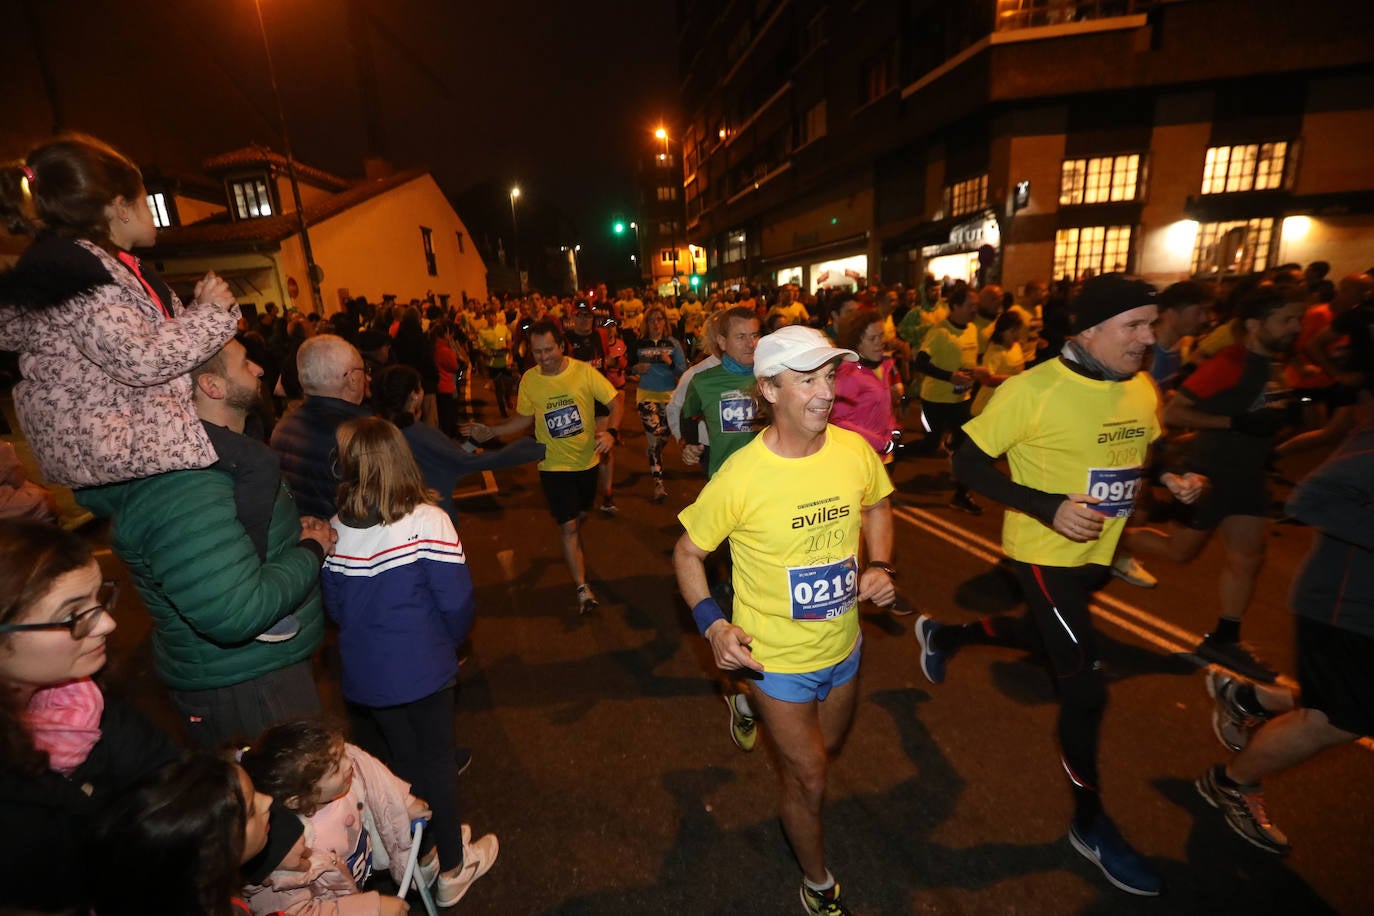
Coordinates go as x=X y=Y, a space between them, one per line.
x=795 y=347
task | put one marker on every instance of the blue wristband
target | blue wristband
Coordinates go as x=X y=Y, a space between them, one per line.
x=705 y=613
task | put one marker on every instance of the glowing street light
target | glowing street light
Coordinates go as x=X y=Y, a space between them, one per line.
x=515 y=240
x=661 y=134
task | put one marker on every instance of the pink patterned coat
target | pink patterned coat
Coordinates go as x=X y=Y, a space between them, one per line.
x=106 y=396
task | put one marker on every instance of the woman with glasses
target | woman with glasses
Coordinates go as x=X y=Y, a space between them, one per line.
x=65 y=749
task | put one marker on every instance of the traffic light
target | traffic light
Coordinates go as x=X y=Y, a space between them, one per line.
x=619 y=228
x=695 y=281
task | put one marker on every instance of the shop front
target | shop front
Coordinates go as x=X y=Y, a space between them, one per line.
x=840 y=273
x=969 y=253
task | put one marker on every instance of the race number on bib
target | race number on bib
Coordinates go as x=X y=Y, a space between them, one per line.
x=564 y=422
x=1116 y=488
x=736 y=413
x=823 y=592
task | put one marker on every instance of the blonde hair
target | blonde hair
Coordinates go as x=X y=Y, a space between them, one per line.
x=378 y=476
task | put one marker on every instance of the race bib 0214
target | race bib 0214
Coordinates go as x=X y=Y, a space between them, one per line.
x=1117 y=489
x=824 y=591
x=563 y=422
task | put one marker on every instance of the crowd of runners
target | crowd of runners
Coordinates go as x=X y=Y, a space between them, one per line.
x=263 y=473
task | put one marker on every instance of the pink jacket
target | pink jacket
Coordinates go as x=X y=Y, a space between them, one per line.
x=863 y=403
x=106 y=396
x=327 y=889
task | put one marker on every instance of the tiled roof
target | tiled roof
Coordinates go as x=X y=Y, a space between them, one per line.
x=221 y=230
x=261 y=155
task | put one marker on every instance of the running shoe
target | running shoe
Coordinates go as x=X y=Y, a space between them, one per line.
x=932 y=659
x=586 y=601
x=1236 y=657
x=964 y=503
x=1244 y=810
x=281 y=631
x=743 y=729
x=608 y=506
x=824 y=903
x=900 y=607
x=1128 y=569
x=1231 y=722
x=660 y=493
x=1103 y=845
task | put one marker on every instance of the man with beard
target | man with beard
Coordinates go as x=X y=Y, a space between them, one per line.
x=215 y=584
x=1076 y=431
x=1224 y=401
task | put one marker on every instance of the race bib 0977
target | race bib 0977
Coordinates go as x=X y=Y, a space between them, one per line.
x=1117 y=489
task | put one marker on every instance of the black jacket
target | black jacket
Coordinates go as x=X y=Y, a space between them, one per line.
x=47 y=817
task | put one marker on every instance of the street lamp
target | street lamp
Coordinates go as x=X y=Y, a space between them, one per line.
x=312 y=269
x=662 y=135
x=515 y=240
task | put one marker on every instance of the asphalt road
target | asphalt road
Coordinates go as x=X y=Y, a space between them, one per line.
x=603 y=762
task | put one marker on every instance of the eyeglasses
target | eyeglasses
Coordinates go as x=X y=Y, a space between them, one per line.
x=81 y=623
x=367 y=372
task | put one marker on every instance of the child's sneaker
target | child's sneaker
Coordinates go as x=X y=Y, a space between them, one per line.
x=478 y=858
x=281 y=631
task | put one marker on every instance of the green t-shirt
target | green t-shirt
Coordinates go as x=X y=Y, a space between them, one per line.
x=725 y=401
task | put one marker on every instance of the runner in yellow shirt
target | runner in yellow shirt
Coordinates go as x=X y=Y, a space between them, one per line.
x=558 y=399
x=1075 y=431
x=792 y=504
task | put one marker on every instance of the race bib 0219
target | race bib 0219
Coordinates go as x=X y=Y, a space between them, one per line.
x=1117 y=489
x=824 y=591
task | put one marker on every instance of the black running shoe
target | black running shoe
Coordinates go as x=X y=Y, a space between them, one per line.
x=1236 y=657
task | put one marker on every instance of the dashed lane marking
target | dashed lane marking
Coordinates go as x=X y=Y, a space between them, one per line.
x=1140 y=623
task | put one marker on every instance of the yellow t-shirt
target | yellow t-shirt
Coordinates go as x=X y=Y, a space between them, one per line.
x=793 y=525
x=984 y=326
x=1218 y=339
x=564 y=413
x=1064 y=433
x=950 y=348
x=998 y=360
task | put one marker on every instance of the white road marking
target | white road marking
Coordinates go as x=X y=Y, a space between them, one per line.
x=1140 y=623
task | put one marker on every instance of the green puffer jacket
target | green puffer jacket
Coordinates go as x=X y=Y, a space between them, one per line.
x=202 y=581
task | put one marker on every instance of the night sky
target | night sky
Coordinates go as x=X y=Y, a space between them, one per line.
x=551 y=95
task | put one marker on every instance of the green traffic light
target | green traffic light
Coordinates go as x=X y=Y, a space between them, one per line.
x=619 y=228
x=696 y=281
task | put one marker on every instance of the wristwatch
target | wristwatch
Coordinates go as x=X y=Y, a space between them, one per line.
x=885 y=567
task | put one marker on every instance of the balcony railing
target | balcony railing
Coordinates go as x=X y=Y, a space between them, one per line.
x=1026 y=14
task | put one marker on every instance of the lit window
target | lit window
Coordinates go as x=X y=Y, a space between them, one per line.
x=1107 y=179
x=966 y=196
x=251 y=198
x=1091 y=250
x=1238 y=246
x=667 y=228
x=1253 y=167
x=431 y=262
x=158 y=204
x=667 y=192
x=879 y=75
x=668 y=255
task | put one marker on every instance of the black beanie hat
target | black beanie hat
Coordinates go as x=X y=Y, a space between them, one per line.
x=1108 y=296
x=284 y=829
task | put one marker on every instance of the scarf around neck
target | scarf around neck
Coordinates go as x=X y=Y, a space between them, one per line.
x=65 y=722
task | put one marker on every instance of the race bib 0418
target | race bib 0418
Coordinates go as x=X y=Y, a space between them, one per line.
x=823 y=592
x=1117 y=489
x=736 y=413
x=563 y=422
